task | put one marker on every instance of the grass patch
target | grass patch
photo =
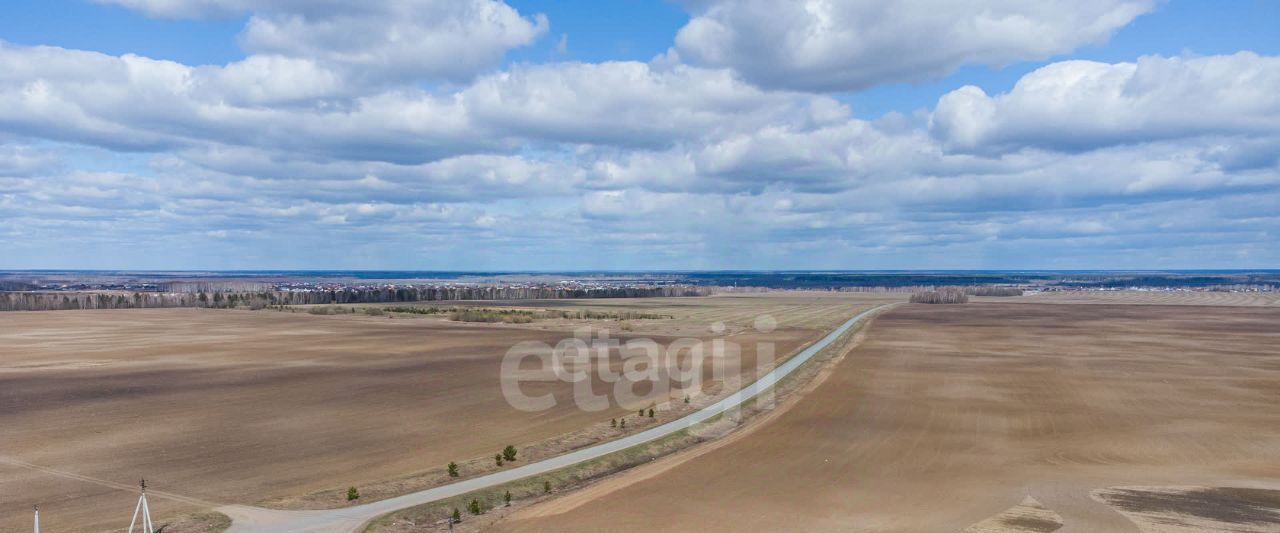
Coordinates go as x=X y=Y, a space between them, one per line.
x=1226 y=505
x=567 y=478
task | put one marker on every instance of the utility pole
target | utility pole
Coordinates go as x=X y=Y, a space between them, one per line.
x=37 y=518
x=143 y=510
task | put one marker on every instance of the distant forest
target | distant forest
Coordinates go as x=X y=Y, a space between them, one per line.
x=1079 y=280
x=37 y=291
x=62 y=300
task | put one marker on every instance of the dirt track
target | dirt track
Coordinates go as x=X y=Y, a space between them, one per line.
x=240 y=407
x=950 y=415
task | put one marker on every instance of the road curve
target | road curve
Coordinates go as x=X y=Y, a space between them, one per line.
x=246 y=519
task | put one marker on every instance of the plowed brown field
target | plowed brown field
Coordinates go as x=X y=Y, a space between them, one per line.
x=221 y=406
x=948 y=416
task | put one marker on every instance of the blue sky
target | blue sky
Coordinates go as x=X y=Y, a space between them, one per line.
x=477 y=134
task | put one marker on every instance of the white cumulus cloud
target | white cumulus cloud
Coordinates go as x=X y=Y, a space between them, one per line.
x=1084 y=104
x=843 y=45
x=373 y=41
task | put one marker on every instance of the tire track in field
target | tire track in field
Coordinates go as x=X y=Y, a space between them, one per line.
x=104 y=483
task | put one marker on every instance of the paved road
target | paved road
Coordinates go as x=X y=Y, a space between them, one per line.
x=257 y=520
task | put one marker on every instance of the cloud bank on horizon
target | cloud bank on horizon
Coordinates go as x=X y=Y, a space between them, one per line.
x=400 y=134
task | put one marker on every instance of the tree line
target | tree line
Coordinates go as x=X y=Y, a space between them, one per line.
x=943 y=295
x=60 y=300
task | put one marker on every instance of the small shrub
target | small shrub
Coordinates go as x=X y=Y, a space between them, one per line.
x=613 y=422
x=475 y=507
x=456 y=517
x=511 y=316
x=546 y=487
x=509 y=453
x=640 y=413
x=453 y=469
x=686 y=399
x=650 y=412
x=497 y=458
x=417 y=310
x=507 y=498
x=623 y=424
x=353 y=494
